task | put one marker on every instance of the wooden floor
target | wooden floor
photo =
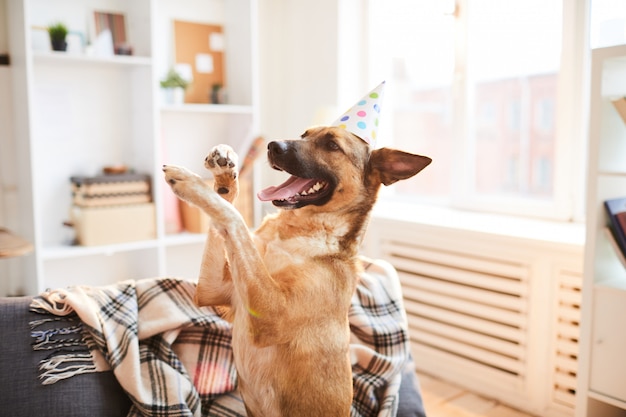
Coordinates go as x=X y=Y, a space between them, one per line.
x=442 y=399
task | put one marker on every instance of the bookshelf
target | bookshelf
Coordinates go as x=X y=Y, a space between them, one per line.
x=601 y=382
x=76 y=112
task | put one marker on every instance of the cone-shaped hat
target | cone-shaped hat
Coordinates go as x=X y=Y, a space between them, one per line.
x=362 y=118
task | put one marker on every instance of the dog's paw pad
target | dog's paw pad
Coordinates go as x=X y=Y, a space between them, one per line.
x=221 y=159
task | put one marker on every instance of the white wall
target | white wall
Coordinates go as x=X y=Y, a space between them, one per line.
x=298 y=63
x=311 y=63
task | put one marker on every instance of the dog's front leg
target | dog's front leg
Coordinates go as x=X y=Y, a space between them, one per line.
x=258 y=292
x=215 y=282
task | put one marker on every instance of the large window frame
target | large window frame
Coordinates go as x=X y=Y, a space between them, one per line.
x=567 y=203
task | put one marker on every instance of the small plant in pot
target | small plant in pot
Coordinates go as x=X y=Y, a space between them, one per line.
x=174 y=85
x=58 y=33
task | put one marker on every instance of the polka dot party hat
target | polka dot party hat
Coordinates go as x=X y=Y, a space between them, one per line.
x=362 y=118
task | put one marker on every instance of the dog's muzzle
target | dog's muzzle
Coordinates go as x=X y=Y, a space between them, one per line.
x=305 y=186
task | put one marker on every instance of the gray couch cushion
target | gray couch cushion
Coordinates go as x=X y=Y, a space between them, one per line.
x=93 y=395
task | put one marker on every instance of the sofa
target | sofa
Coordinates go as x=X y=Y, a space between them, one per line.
x=94 y=394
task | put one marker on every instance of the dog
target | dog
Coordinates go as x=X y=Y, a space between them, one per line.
x=289 y=284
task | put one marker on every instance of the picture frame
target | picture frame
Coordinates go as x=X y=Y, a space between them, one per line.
x=110 y=33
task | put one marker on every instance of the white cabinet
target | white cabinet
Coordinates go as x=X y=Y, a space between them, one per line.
x=608 y=370
x=602 y=364
x=76 y=112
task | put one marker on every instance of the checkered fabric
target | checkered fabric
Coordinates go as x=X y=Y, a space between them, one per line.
x=174 y=359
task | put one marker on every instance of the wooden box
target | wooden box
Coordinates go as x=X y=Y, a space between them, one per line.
x=114 y=224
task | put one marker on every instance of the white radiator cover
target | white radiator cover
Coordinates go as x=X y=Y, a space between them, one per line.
x=495 y=314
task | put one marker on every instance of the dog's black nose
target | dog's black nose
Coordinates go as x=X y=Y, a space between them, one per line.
x=277 y=148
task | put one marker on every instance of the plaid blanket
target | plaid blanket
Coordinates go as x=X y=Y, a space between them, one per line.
x=174 y=359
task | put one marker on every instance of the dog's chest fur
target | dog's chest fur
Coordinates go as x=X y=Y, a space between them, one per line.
x=282 y=242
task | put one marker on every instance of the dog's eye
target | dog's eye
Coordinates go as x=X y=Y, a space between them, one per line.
x=332 y=145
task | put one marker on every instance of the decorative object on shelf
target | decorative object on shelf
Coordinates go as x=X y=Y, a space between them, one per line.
x=616 y=211
x=58 y=32
x=201 y=46
x=111 y=190
x=620 y=106
x=174 y=86
x=254 y=151
x=218 y=94
x=112 y=208
x=115 y=169
x=114 y=224
x=110 y=34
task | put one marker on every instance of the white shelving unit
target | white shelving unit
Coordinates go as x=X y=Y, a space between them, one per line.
x=602 y=367
x=76 y=113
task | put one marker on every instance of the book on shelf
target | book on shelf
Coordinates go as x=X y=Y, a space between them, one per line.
x=616 y=211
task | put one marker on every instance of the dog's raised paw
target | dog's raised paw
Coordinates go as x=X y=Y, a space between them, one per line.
x=222 y=159
x=177 y=176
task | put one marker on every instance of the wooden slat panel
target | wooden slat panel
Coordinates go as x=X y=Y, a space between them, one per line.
x=474 y=376
x=470 y=278
x=565 y=380
x=469 y=308
x=570 y=314
x=566 y=364
x=571 y=280
x=458 y=303
x=480 y=295
x=463 y=320
x=461 y=349
x=565 y=397
x=568 y=330
x=466 y=307
x=461 y=261
x=567 y=346
x=570 y=296
x=477 y=340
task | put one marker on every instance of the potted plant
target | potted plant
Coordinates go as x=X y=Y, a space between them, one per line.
x=217 y=94
x=58 y=32
x=174 y=85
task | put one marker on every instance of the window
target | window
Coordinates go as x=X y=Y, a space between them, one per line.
x=608 y=23
x=477 y=85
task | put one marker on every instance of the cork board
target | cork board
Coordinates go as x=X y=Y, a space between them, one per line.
x=201 y=46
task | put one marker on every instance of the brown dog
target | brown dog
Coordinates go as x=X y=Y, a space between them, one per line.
x=290 y=283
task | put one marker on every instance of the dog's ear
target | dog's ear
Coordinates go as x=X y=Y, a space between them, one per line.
x=394 y=165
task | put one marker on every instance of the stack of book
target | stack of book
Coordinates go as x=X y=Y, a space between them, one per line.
x=108 y=209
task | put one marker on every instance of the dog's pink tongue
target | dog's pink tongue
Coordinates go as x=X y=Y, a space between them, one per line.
x=285 y=190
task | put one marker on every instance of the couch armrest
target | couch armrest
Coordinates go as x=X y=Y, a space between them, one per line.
x=96 y=394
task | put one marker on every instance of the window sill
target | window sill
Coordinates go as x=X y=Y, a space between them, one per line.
x=562 y=233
